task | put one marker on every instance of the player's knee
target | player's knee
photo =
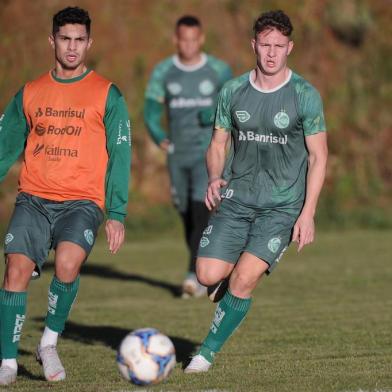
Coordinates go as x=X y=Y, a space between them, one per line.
x=205 y=275
x=16 y=277
x=66 y=270
x=242 y=284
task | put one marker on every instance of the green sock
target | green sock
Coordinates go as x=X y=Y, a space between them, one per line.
x=229 y=314
x=61 y=297
x=13 y=314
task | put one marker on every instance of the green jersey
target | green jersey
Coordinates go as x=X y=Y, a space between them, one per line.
x=189 y=94
x=268 y=161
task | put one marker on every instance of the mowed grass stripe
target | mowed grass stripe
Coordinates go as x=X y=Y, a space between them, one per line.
x=321 y=322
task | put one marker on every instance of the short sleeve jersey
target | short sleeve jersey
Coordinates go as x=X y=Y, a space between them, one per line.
x=268 y=160
x=186 y=91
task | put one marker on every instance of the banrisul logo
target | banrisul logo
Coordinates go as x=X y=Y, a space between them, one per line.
x=261 y=138
x=274 y=244
x=89 y=236
x=242 y=115
x=281 y=119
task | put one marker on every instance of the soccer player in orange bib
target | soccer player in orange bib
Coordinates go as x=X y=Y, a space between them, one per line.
x=74 y=129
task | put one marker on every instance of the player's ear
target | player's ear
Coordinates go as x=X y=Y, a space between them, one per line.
x=51 y=40
x=290 y=47
x=253 y=43
x=90 y=42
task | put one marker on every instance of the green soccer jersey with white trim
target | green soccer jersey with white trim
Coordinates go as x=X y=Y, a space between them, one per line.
x=268 y=161
x=189 y=94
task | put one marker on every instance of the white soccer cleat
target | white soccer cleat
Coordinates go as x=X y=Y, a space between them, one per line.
x=198 y=365
x=7 y=375
x=50 y=361
x=192 y=288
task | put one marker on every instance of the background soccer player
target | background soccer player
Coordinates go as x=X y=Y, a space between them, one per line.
x=186 y=85
x=276 y=122
x=74 y=130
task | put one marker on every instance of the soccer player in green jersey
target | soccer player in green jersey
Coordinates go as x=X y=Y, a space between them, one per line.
x=73 y=127
x=186 y=85
x=267 y=195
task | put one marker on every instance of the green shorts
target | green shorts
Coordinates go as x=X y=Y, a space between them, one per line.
x=38 y=225
x=234 y=228
x=188 y=178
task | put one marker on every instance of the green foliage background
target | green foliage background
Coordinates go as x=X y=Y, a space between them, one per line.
x=342 y=47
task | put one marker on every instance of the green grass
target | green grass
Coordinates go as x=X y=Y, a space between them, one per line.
x=321 y=322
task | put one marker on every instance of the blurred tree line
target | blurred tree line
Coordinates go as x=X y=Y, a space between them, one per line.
x=342 y=47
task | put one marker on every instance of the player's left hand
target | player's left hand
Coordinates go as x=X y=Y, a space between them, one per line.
x=115 y=234
x=303 y=232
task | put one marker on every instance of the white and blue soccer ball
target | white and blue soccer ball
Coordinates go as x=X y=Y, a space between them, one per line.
x=146 y=356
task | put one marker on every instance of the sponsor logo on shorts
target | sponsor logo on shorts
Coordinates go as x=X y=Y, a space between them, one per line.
x=8 y=238
x=174 y=88
x=206 y=87
x=280 y=254
x=208 y=230
x=281 y=119
x=204 y=242
x=274 y=244
x=89 y=236
x=228 y=194
x=242 y=115
x=20 y=318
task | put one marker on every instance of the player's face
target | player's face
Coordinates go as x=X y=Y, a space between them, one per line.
x=189 y=40
x=71 y=44
x=271 y=48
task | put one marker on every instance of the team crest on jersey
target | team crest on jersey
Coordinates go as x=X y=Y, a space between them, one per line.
x=174 y=88
x=204 y=242
x=206 y=87
x=281 y=119
x=89 y=236
x=274 y=244
x=8 y=238
x=242 y=115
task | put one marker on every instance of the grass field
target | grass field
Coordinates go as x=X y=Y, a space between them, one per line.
x=321 y=322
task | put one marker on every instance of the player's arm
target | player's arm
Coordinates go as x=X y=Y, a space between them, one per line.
x=304 y=228
x=154 y=107
x=311 y=109
x=118 y=144
x=13 y=133
x=216 y=158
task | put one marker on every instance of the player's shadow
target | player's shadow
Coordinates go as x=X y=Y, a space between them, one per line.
x=112 y=337
x=24 y=372
x=105 y=272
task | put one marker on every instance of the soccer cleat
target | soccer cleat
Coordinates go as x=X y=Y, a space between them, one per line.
x=216 y=292
x=192 y=288
x=49 y=359
x=198 y=365
x=7 y=375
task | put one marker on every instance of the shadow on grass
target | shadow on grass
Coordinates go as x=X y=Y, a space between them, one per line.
x=104 y=272
x=112 y=337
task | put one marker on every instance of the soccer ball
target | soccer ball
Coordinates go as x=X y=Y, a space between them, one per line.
x=146 y=356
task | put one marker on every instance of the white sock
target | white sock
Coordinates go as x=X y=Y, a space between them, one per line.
x=10 y=363
x=49 y=338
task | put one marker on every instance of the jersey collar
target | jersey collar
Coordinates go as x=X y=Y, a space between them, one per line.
x=251 y=73
x=189 y=68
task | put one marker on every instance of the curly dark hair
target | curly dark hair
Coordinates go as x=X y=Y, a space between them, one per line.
x=273 y=19
x=71 y=15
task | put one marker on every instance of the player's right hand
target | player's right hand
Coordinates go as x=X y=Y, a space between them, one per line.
x=213 y=196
